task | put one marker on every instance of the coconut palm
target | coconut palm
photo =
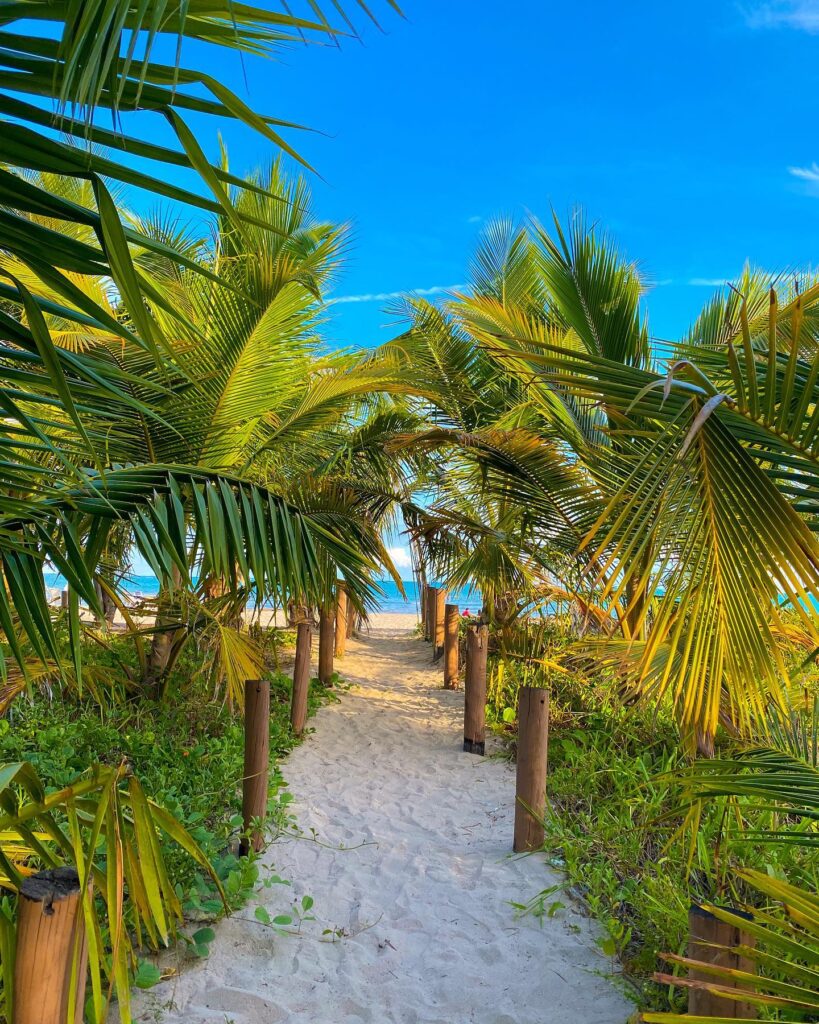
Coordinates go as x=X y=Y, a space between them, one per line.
x=513 y=500
x=63 y=409
x=696 y=515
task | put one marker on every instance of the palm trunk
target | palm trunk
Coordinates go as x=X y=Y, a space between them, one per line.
x=162 y=641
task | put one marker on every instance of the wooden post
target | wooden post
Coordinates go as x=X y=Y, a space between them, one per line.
x=352 y=617
x=63 y=598
x=52 y=952
x=451 y=621
x=533 y=746
x=477 y=644
x=257 y=759
x=327 y=639
x=432 y=616
x=429 y=611
x=705 y=933
x=342 y=612
x=438 y=632
x=301 y=678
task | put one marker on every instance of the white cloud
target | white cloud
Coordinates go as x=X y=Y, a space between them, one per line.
x=401 y=557
x=806 y=173
x=707 y=282
x=474 y=219
x=436 y=289
x=802 y=15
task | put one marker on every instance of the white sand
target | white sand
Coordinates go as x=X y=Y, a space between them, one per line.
x=429 y=936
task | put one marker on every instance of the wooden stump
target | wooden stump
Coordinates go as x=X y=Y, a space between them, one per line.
x=451 y=622
x=327 y=639
x=257 y=760
x=704 y=933
x=52 y=952
x=342 y=613
x=533 y=745
x=64 y=599
x=477 y=648
x=438 y=631
x=301 y=678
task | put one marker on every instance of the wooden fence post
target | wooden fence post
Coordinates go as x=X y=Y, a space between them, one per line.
x=705 y=932
x=429 y=612
x=342 y=612
x=451 y=621
x=327 y=639
x=257 y=759
x=50 y=929
x=477 y=644
x=438 y=631
x=301 y=678
x=64 y=598
x=533 y=746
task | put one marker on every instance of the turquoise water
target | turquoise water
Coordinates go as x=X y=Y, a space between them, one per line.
x=392 y=601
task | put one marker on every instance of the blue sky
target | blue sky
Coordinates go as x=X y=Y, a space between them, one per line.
x=686 y=130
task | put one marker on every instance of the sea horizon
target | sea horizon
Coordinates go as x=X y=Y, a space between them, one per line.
x=467 y=598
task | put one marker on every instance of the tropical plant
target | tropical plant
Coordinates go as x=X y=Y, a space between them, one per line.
x=779 y=781
x=104 y=825
x=62 y=407
x=682 y=497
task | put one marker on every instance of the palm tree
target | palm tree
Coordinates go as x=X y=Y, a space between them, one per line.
x=62 y=407
x=686 y=495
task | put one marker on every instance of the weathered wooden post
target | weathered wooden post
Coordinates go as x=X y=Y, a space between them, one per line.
x=342 y=613
x=705 y=935
x=438 y=631
x=64 y=598
x=52 y=952
x=327 y=639
x=301 y=678
x=429 y=612
x=451 y=621
x=257 y=759
x=477 y=645
x=533 y=746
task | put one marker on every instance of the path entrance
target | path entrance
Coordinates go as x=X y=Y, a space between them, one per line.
x=422 y=931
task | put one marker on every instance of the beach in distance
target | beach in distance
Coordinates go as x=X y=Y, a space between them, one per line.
x=392 y=601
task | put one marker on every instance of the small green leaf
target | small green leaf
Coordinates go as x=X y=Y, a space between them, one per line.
x=147 y=975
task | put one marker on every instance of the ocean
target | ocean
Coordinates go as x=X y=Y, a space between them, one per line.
x=392 y=601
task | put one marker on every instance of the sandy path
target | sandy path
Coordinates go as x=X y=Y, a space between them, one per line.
x=429 y=935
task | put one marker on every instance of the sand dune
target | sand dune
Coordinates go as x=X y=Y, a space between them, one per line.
x=422 y=928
